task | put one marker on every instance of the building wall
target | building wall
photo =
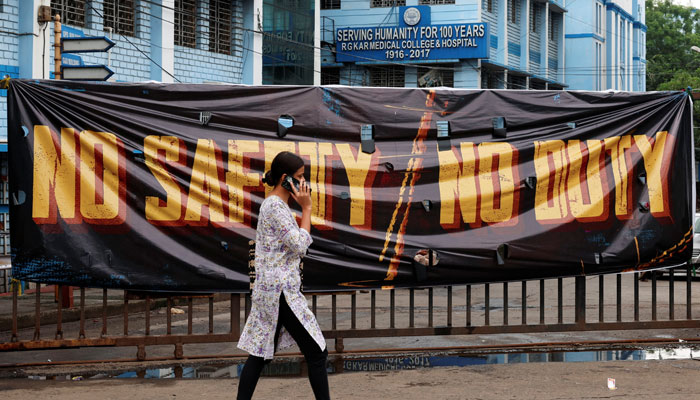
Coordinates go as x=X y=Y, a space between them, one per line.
x=197 y=65
x=129 y=58
x=622 y=36
x=128 y=63
x=9 y=51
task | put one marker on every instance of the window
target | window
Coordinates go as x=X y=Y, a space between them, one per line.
x=387 y=76
x=553 y=27
x=599 y=18
x=387 y=3
x=119 y=15
x=285 y=61
x=436 y=75
x=491 y=79
x=623 y=42
x=72 y=11
x=534 y=17
x=598 y=66
x=185 y=23
x=434 y=2
x=330 y=4
x=330 y=76
x=537 y=84
x=488 y=5
x=220 y=22
x=513 y=11
x=517 y=82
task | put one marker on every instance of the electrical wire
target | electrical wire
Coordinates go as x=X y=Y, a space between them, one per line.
x=371 y=59
x=19 y=34
x=43 y=53
x=368 y=59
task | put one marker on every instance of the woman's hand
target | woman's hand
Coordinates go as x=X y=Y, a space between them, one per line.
x=303 y=195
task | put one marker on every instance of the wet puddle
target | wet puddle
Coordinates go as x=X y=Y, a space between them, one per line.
x=368 y=364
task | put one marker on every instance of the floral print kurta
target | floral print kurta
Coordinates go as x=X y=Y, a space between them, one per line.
x=279 y=244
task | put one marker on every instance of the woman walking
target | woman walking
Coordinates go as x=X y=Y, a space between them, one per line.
x=279 y=315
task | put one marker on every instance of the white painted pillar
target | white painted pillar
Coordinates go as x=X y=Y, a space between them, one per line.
x=163 y=41
x=168 y=40
x=35 y=60
x=561 y=61
x=256 y=55
x=544 y=46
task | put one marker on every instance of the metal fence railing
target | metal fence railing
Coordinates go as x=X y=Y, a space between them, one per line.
x=583 y=303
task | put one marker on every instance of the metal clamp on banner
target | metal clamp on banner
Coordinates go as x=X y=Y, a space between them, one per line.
x=642 y=178
x=502 y=253
x=644 y=206
x=443 y=135
x=367 y=138
x=531 y=182
x=500 y=127
x=284 y=123
x=204 y=117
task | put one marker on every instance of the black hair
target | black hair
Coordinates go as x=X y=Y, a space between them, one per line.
x=284 y=163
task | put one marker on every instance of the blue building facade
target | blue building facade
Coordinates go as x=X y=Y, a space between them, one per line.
x=606 y=45
x=527 y=44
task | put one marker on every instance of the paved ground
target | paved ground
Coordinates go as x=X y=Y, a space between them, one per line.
x=586 y=380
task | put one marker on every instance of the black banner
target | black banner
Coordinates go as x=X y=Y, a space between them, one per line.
x=157 y=186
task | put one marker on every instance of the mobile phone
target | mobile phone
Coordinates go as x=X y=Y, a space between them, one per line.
x=289 y=181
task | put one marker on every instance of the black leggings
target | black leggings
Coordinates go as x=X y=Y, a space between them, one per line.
x=315 y=358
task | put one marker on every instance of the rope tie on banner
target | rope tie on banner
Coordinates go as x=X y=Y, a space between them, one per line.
x=668 y=253
x=5 y=82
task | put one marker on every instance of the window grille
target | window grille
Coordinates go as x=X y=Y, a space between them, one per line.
x=488 y=5
x=517 y=82
x=72 y=11
x=4 y=222
x=513 y=11
x=537 y=85
x=387 y=3
x=220 y=23
x=119 y=15
x=387 y=76
x=185 y=23
x=489 y=79
x=440 y=75
x=552 y=27
x=330 y=4
x=330 y=76
x=435 y=2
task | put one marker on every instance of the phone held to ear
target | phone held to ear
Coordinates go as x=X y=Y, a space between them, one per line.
x=289 y=181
